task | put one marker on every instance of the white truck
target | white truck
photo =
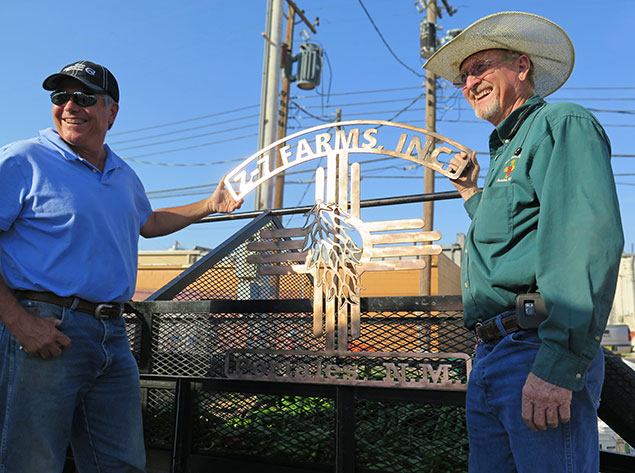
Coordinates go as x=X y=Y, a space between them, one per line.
x=617 y=338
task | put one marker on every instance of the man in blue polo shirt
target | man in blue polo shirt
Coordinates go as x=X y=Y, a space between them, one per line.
x=70 y=219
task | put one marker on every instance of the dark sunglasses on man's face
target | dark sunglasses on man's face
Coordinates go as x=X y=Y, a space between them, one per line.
x=79 y=98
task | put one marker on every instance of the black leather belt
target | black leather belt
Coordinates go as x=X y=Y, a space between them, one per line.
x=99 y=310
x=489 y=332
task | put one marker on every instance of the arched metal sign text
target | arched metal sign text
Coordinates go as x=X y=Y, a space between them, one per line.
x=368 y=137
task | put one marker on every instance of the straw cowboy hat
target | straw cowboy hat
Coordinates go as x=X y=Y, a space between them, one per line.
x=546 y=44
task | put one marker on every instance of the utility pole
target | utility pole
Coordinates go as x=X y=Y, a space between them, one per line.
x=283 y=113
x=272 y=129
x=269 y=98
x=431 y=125
x=428 y=176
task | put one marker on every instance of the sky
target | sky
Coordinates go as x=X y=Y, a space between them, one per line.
x=190 y=77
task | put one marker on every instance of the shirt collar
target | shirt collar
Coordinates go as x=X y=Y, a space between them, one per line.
x=510 y=125
x=53 y=140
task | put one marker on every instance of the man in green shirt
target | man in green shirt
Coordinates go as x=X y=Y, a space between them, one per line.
x=546 y=221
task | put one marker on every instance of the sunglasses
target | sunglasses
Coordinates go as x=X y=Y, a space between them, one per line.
x=478 y=70
x=79 y=98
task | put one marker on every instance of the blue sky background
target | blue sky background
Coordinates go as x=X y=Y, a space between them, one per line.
x=190 y=77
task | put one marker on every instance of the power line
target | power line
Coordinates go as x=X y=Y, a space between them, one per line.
x=361 y=92
x=405 y=109
x=587 y=99
x=597 y=88
x=445 y=120
x=174 y=140
x=134 y=158
x=162 y=125
x=174 y=132
x=303 y=109
x=381 y=36
x=447 y=97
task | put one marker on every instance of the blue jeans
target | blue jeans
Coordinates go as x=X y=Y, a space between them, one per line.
x=89 y=396
x=500 y=441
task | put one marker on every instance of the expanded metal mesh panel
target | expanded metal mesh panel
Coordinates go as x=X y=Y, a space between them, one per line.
x=158 y=417
x=195 y=344
x=410 y=437
x=287 y=428
x=233 y=278
x=413 y=332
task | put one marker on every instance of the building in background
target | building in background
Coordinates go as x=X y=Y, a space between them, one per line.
x=623 y=311
x=157 y=268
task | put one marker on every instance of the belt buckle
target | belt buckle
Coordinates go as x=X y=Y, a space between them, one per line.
x=98 y=315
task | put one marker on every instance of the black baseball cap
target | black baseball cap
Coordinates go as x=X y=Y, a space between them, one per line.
x=94 y=76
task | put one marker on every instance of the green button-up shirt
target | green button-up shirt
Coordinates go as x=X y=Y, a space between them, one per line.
x=547 y=221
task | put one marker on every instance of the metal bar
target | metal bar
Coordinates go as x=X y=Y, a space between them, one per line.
x=318 y=311
x=392 y=265
x=407 y=199
x=368 y=304
x=220 y=306
x=281 y=270
x=330 y=323
x=406 y=237
x=345 y=430
x=319 y=185
x=355 y=190
x=342 y=192
x=145 y=357
x=411 y=303
x=355 y=321
x=284 y=233
x=275 y=245
x=304 y=317
x=331 y=178
x=291 y=257
x=342 y=326
x=398 y=251
x=182 y=429
x=382 y=226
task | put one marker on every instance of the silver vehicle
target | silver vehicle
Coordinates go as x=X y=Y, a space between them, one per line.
x=617 y=338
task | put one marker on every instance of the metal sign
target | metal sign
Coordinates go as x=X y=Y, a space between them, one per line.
x=335 y=246
x=448 y=371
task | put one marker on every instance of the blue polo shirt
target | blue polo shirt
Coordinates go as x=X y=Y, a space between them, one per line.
x=66 y=227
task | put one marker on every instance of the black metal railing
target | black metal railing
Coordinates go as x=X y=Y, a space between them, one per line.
x=204 y=418
x=196 y=417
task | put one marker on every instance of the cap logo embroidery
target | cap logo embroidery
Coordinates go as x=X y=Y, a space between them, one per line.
x=90 y=71
x=74 y=68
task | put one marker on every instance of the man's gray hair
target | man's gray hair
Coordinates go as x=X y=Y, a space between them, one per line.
x=108 y=100
x=513 y=55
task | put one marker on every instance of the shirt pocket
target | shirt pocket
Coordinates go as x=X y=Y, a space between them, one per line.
x=494 y=221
